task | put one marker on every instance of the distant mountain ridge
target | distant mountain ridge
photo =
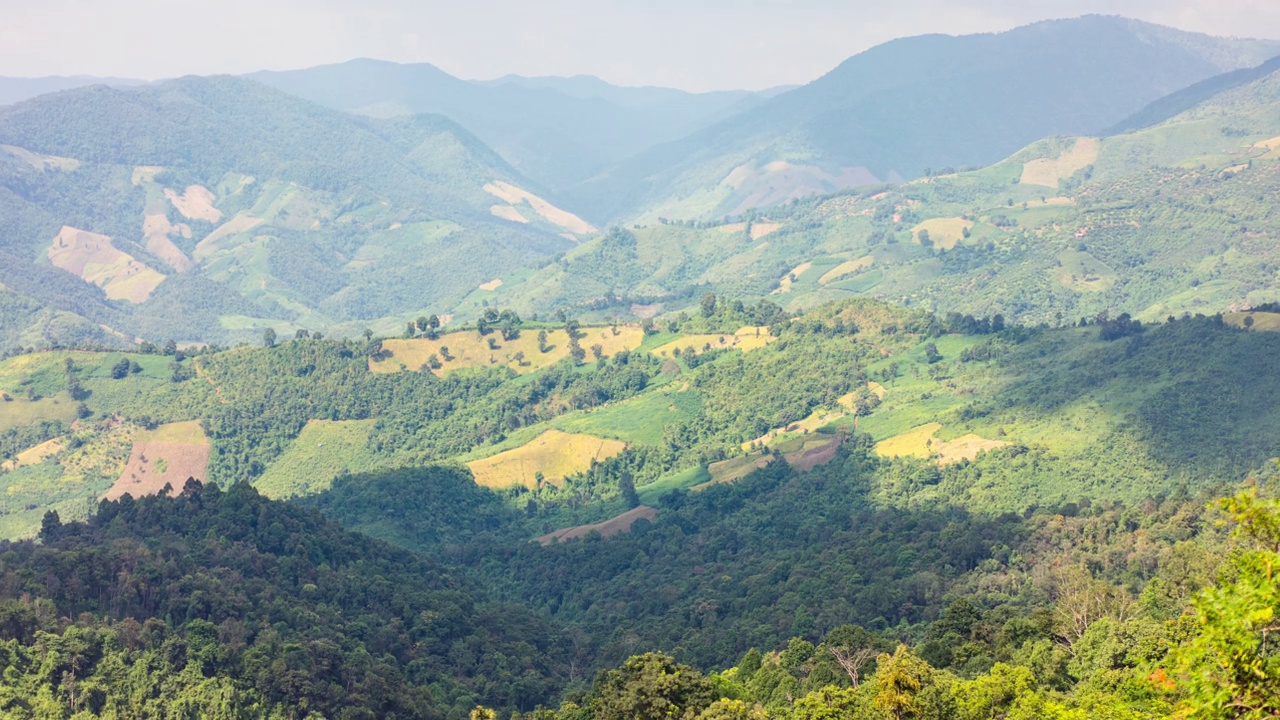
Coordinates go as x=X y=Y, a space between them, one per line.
x=918 y=103
x=15 y=89
x=556 y=130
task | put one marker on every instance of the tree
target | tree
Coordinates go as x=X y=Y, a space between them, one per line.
x=120 y=370
x=49 y=526
x=651 y=687
x=269 y=337
x=597 y=351
x=627 y=487
x=898 y=679
x=542 y=342
x=444 y=353
x=931 y=354
x=1231 y=669
x=925 y=240
x=1248 y=321
x=708 y=305
x=422 y=323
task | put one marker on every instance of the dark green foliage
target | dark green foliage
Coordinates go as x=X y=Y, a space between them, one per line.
x=273 y=605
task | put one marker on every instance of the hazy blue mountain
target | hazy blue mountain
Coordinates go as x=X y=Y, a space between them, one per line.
x=917 y=103
x=1170 y=106
x=557 y=131
x=15 y=90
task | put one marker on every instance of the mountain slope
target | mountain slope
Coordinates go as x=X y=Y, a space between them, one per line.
x=297 y=215
x=1170 y=106
x=913 y=104
x=555 y=130
x=1166 y=220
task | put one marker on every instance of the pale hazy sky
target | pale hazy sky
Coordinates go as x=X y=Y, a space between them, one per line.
x=692 y=44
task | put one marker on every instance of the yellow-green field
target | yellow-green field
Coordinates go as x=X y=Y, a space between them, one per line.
x=554 y=454
x=848 y=267
x=20 y=411
x=323 y=450
x=468 y=348
x=746 y=340
x=920 y=442
x=1264 y=321
x=735 y=468
x=944 y=233
x=917 y=442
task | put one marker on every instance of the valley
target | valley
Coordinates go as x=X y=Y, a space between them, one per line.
x=941 y=386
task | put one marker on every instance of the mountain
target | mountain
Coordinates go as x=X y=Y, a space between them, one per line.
x=247 y=208
x=1170 y=106
x=557 y=131
x=15 y=90
x=1156 y=222
x=901 y=108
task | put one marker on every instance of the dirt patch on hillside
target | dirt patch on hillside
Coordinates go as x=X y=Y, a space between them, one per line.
x=784 y=285
x=944 y=233
x=552 y=214
x=760 y=229
x=167 y=455
x=195 y=203
x=158 y=230
x=93 y=258
x=1048 y=172
x=507 y=212
x=813 y=453
x=491 y=285
x=613 y=526
x=241 y=223
x=644 y=312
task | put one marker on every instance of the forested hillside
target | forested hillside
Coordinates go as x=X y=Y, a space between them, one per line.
x=248 y=209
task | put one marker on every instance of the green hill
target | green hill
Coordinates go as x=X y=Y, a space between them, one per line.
x=247 y=208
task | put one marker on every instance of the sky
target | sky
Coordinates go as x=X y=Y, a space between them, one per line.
x=696 y=45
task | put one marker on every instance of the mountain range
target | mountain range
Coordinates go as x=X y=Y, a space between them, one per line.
x=356 y=195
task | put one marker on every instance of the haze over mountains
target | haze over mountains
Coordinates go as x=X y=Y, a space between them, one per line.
x=360 y=193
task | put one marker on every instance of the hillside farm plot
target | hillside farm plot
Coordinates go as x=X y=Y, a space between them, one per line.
x=920 y=442
x=92 y=258
x=467 y=348
x=943 y=233
x=167 y=455
x=553 y=455
x=746 y=340
x=642 y=419
x=323 y=450
x=613 y=526
x=1262 y=321
x=1048 y=172
x=846 y=268
x=19 y=411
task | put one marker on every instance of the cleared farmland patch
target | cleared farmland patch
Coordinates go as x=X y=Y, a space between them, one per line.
x=324 y=450
x=517 y=196
x=167 y=455
x=467 y=348
x=1263 y=321
x=1048 y=172
x=93 y=258
x=195 y=203
x=944 y=233
x=613 y=526
x=554 y=455
x=920 y=442
x=848 y=267
x=746 y=340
